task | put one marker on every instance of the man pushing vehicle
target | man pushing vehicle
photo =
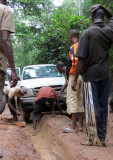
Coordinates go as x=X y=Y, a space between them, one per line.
x=45 y=95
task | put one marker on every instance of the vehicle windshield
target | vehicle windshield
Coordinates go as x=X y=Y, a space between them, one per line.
x=40 y=72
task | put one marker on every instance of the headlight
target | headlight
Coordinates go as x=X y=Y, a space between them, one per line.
x=29 y=93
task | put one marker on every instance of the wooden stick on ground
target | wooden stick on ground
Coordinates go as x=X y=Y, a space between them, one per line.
x=20 y=124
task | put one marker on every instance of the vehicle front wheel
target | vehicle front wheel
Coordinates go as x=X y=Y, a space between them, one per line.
x=26 y=116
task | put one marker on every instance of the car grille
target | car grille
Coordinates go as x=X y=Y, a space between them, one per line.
x=57 y=88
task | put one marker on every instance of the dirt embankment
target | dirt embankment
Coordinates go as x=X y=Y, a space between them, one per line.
x=50 y=143
x=66 y=146
x=15 y=141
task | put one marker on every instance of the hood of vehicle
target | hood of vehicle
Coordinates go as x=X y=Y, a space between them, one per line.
x=40 y=82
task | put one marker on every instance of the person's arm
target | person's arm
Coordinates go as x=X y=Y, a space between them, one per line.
x=18 y=104
x=79 y=68
x=108 y=13
x=12 y=108
x=8 y=52
x=62 y=90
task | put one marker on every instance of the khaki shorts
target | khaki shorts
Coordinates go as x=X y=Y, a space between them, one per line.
x=2 y=82
x=75 y=98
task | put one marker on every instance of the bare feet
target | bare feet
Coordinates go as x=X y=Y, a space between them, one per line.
x=76 y=129
x=79 y=127
x=34 y=133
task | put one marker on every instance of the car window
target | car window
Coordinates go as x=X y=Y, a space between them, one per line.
x=40 y=72
x=8 y=74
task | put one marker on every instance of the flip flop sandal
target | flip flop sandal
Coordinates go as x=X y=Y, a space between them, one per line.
x=68 y=130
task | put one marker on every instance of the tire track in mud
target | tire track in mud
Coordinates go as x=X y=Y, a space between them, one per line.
x=45 y=149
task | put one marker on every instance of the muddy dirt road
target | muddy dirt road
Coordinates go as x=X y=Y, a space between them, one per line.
x=50 y=143
x=66 y=146
x=15 y=141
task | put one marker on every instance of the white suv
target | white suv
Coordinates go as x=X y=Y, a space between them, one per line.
x=36 y=76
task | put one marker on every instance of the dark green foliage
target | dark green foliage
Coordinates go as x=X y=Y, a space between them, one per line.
x=42 y=30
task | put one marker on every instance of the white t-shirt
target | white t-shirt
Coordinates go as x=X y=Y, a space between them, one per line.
x=11 y=92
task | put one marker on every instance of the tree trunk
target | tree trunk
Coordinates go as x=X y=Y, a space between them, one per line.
x=79 y=7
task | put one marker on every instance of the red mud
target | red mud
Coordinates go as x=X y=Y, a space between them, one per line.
x=50 y=143
x=15 y=141
x=68 y=144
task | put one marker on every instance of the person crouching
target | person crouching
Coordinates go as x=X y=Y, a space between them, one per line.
x=13 y=95
x=45 y=95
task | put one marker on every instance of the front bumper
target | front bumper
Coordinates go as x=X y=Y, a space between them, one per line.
x=27 y=102
x=27 y=99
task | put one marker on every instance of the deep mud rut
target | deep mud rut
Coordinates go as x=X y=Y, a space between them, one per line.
x=46 y=141
x=45 y=149
x=50 y=143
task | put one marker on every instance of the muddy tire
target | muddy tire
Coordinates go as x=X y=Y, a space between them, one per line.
x=26 y=116
x=3 y=103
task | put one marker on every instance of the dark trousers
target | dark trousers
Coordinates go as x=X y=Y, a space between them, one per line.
x=14 y=105
x=3 y=103
x=96 y=97
x=39 y=107
x=100 y=97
